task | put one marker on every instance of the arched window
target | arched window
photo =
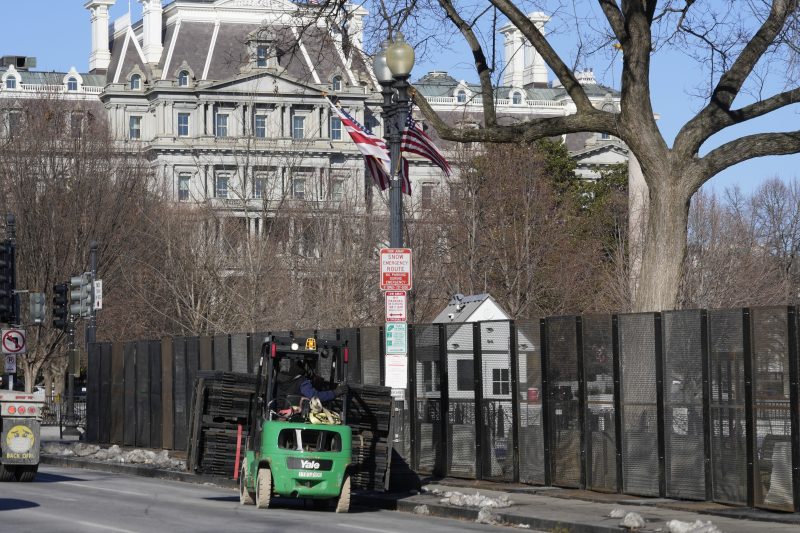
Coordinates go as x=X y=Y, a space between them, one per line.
x=136 y=82
x=461 y=96
x=11 y=82
x=516 y=99
x=72 y=84
x=183 y=78
x=336 y=84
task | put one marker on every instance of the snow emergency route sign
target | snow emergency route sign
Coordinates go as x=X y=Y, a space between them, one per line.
x=396 y=269
x=13 y=341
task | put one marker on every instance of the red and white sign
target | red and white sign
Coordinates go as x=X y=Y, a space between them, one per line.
x=396 y=269
x=13 y=341
x=396 y=306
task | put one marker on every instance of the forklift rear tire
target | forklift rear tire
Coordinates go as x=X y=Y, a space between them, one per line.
x=26 y=473
x=343 y=502
x=6 y=474
x=245 y=496
x=264 y=488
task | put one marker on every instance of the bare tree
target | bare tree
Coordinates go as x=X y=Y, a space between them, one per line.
x=66 y=181
x=735 y=42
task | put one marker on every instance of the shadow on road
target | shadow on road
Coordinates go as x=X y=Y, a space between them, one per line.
x=42 y=477
x=11 y=504
x=294 y=503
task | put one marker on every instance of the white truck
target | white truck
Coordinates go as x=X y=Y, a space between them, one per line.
x=21 y=415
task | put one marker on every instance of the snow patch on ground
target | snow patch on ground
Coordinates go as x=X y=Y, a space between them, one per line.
x=633 y=521
x=114 y=454
x=698 y=526
x=477 y=500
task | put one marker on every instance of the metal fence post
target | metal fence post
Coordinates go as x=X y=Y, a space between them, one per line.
x=545 y=396
x=660 y=429
x=748 y=404
x=582 y=418
x=794 y=397
x=514 y=360
x=706 y=363
x=477 y=365
x=412 y=396
x=444 y=416
x=617 y=397
x=382 y=353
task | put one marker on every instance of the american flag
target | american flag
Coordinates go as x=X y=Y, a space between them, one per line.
x=416 y=141
x=374 y=150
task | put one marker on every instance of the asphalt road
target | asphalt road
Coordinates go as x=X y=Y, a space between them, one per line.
x=70 y=500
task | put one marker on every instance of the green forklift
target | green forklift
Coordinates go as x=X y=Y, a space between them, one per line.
x=296 y=448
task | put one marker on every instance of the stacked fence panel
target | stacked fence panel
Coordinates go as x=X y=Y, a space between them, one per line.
x=564 y=420
x=530 y=429
x=497 y=446
x=461 y=393
x=771 y=409
x=684 y=423
x=727 y=395
x=429 y=399
x=600 y=415
x=370 y=356
x=639 y=415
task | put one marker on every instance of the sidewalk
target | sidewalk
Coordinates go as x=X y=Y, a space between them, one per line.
x=536 y=508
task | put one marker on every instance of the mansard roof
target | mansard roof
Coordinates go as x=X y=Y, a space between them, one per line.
x=218 y=48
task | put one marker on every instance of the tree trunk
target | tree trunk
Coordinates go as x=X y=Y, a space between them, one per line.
x=664 y=249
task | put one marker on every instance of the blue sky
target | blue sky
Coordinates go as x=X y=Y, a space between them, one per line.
x=57 y=32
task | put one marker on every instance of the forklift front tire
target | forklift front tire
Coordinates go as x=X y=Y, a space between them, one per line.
x=245 y=496
x=263 y=488
x=343 y=502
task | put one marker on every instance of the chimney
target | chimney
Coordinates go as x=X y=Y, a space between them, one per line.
x=100 y=57
x=151 y=29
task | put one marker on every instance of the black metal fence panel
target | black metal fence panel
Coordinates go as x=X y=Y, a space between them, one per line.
x=727 y=396
x=530 y=423
x=771 y=409
x=142 y=394
x=222 y=355
x=325 y=365
x=497 y=446
x=684 y=423
x=353 y=344
x=429 y=399
x=117 y=394
x=600 y=415
x=129 y=431
x=254 y=351
x=564 y=427
x=371 y=356
x=637 y=347
x=180 y=400
x=239 y=353
x=93 y=393
x=461 y=392
x=156 y=418
x=104 y=396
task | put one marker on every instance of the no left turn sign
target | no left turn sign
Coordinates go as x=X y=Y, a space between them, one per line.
x=13 y=341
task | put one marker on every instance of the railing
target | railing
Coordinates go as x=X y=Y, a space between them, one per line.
x=500 y=102
x=53 y=88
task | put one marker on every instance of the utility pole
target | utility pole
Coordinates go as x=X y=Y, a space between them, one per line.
x=91 y=326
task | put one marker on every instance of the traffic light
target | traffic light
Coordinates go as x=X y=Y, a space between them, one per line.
x=81 y=295
x=37 y=307
x=60 y=306
x=6 y=282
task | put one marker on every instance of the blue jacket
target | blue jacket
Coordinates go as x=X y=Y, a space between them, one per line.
x=308 y=390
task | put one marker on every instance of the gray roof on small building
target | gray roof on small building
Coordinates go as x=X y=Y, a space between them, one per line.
x=460 y=308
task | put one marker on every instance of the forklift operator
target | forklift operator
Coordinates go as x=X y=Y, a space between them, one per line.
x=299 y=381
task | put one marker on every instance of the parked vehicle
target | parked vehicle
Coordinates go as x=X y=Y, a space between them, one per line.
x=20 y=414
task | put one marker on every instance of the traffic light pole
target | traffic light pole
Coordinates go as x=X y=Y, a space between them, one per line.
x=91 y=326
x=71 y=430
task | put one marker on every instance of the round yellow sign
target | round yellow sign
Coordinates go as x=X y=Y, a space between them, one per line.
x=20 y=439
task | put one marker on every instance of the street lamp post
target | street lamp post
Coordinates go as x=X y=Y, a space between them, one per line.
x=392 y=66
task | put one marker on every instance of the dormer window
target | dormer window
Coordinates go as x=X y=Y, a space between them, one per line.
x=136 y=82
x=11 y=83
x=336 y=83
x=72 y=84
x=261 y=56
x=183 y=78
x=516 y=99
x=461 y=96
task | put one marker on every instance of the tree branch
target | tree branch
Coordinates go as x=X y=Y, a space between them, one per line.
x=484 y=72
x=561 y=70
x=749 y=147
x=615 y=19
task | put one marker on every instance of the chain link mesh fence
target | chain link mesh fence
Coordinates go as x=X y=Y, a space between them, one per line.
x=429 y=399
x=771 y=411
x=530 y=428
x=497 y=445
x=684 y=436
x=461 y=394
x=600 y=415
x=637 y=350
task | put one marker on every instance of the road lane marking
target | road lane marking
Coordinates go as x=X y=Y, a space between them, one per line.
x=105 y=489
x=103 y=527
x=364 y=528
